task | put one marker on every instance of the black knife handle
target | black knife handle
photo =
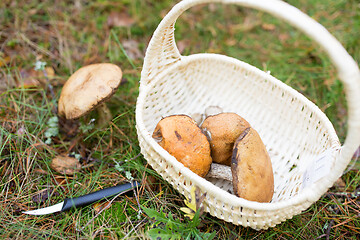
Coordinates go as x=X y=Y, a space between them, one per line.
x=96 y=196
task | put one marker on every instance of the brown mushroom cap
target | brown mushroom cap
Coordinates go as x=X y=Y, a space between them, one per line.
x=251 y=168
x=183 y=139
x=222 y=130
x=88 y=87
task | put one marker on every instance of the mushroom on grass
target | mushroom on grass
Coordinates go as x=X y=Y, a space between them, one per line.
x=88 y=88
x=183 y=139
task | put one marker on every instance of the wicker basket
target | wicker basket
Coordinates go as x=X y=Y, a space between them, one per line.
x=305 y=151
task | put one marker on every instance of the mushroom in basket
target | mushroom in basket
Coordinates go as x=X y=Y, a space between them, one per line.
x=183 y=139
x=251 y=168
x=222 y=131
x=245 y=161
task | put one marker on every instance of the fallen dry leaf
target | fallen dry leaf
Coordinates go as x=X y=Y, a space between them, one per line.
x=69 y=127
x=65 y=165
x=163 y=13
x=49 y=72
x=268 y=26
x=132 y=49
x=4 y=60
x=40 y=171
x=101 y=206
x=182 y=45
x=119 y=19
x=249 y=23
x=283 y=37
x=152 y=183
x=41 y=196
x=28 y=78
x=21 y=131
x=340 y=184
x=231 y=42
x=31 y=78
x=61 y=181
x=213 y=7
x=6 y=82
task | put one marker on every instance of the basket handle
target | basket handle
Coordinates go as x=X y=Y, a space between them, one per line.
x=162 y=52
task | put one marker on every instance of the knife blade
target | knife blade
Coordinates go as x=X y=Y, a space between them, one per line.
x=85 y=200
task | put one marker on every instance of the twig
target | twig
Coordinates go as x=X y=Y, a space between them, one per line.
x=139 y=154
x=321 y=236
x=123 y=50
x=51 y=88
x=331 y=223
x=329 y=229
x=144 y=220
x=354 y=194
x=34 y=45
x=137 y=200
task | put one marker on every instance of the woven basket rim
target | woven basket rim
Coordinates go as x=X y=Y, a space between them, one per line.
x=309 y=194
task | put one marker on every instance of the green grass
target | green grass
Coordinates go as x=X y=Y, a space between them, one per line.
x=67 y=37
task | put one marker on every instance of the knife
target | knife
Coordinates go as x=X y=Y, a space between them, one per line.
x=85 y=200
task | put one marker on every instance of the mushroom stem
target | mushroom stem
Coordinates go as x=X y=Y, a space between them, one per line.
x=105 y=115
x=213 y=110
x=220 y=171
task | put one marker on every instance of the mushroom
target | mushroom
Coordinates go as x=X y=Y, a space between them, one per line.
x=251 y=168
x=183 y=139
x=220 y=171
x=88 y=88
x=210 y=110
x=222 y=131
x=198 y=118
